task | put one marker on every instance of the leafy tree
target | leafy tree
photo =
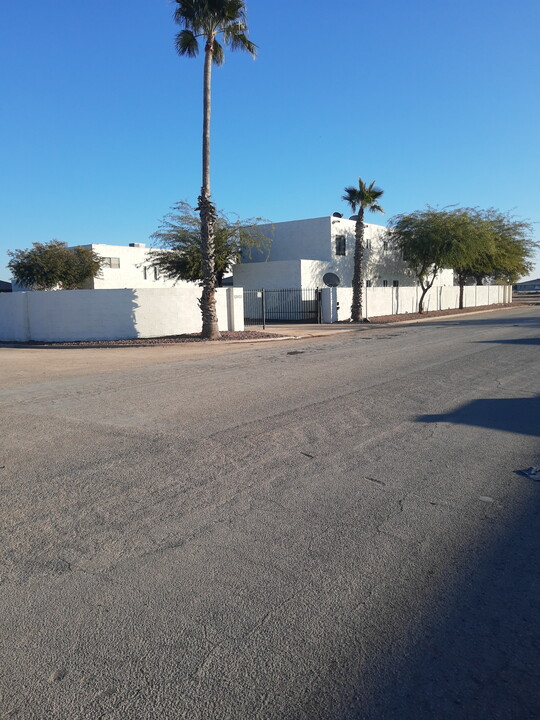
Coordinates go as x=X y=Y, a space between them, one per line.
x=508 y=249
x=209 y=19
x=425 y=239
x=47 y=266
x=468 y=240
x=475 y=243
x=180 y=233
x=364 y=197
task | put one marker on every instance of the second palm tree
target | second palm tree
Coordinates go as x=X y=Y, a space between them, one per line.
x=362 y=198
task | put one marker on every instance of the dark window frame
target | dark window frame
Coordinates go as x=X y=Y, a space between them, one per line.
x=341 y=245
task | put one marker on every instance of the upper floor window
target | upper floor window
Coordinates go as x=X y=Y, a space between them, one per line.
x=385 y=283
x=156 y=273
x=341 y=245
x=110 y=262
x=395 y=283
x=385 y=246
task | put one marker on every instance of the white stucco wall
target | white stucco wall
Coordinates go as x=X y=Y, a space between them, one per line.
x=403 y=300
x=278 y=275
x=295 y=240
x=111 y=314
x=13 y=317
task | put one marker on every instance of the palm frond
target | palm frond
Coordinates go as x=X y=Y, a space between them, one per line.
x=211 y=18
x=218 y=56
x=186 y=43
x=364 y=196
x=351 y=197
x=240 y=41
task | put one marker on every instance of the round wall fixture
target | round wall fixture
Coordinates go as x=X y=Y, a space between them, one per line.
x=331 y=279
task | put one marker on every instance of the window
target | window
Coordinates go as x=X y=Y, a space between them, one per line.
x=110 y=262
x=368 y=283
x=156 y=274
x=385 y=283
x=395 y=283
x=385 y=246
x=145 y=272
x=340 y=245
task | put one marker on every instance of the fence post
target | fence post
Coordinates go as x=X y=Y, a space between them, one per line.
x=366 y=315
x=263 y=302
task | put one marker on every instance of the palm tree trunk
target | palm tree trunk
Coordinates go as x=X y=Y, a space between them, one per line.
x=207 y=210
x=358 y=273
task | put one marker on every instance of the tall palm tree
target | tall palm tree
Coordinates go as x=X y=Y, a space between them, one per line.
x=363 y=198
x=209 y=19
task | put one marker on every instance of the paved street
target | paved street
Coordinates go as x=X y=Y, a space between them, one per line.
x=322 y=529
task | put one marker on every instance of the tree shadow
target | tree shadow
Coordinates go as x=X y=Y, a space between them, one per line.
x=513 y=415
x=474 y=654
x=515 y=341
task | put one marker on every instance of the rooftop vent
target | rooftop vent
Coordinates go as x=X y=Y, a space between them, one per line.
x=137 y=245
x=336 y=214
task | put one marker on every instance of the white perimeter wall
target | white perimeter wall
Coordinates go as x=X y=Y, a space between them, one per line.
x=69 y=315
x=336 y=302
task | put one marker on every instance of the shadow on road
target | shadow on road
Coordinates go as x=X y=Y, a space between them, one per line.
x=515 y=341
x=475 y=654
x=513 y=415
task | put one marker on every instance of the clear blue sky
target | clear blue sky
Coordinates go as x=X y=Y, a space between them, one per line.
x=101 y=120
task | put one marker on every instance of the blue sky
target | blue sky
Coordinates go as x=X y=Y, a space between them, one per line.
x=101 y=120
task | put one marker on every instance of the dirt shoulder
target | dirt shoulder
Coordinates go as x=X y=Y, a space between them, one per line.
x=384 y=319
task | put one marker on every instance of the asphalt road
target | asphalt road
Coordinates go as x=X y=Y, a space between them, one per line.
x=323 y=529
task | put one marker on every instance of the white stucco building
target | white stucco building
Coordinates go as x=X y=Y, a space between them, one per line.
x=303 y=251
x=125 y=267
x=128 y=267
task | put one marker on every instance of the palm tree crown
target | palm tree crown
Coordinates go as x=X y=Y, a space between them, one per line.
x=364 y=197
x=207 y=19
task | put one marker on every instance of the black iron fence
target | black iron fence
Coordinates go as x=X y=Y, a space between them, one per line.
x=282 y=306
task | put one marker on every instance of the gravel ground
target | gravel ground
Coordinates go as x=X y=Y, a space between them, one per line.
x=168 y=340
x=433 y=313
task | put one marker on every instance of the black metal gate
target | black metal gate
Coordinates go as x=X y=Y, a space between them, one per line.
x=282 y=306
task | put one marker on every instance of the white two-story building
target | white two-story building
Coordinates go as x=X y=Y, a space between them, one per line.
x=302 y=252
